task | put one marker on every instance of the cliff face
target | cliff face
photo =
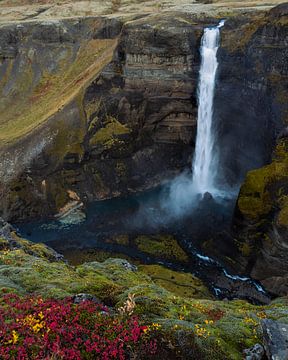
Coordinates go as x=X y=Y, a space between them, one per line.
x=45 y=67
x=144 y=99
x=126 y=130
x=250 y=105
x=261 y=214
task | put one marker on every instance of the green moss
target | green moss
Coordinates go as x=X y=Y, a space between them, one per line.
x=121 y=169
x=161 y=246
x=78 y=257
x=282 y=217
x=35 y=102
x=91 y=108
x=56 y=190
x=180 y=284
x=121 y=239
x=245 y=249
x=219 y=330
x=4 y=244
x=107 y=136
x=256 y=196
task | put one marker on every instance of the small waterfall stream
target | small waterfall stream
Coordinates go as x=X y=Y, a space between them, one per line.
x=205 y=162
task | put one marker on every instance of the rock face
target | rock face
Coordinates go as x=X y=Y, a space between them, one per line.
x=261 y=222
x=254 y=353
x=253 y=78
x=44 y=68
x=261 y=213
x=275 y=339
x=251 y=92
x=132 y=127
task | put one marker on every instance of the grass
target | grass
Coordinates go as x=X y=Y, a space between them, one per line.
x=27 y=106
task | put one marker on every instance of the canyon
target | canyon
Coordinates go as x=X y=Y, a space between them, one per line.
x=100 y=104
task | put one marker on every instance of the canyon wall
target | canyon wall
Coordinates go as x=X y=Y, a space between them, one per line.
x=126 y=130
x=93 y=108
x=261 y=218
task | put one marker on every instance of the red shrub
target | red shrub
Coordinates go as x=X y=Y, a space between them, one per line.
x=32 y=328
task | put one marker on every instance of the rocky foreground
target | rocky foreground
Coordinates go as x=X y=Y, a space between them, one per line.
x=190 y=322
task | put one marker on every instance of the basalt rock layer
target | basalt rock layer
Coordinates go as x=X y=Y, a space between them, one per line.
x=124 y=130
x=261 y=214
x=76 y=133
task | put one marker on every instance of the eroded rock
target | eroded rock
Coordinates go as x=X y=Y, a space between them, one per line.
x=275 y=335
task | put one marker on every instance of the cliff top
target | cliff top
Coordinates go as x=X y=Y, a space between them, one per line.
x=21 y=10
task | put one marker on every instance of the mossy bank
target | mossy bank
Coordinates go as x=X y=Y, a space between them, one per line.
x=179 y=302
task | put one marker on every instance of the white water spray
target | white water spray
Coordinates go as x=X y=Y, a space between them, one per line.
x=205 y=162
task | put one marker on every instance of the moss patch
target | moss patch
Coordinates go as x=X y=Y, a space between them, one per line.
x=161 y=246
x=282 y=218
x=261 y=188
x=36 y=102
x=76 y=257
x=108 y=135
x=221 y=330
x=179 y=283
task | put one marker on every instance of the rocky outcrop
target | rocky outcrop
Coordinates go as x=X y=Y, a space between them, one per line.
x=256 y=352
x=45 y=68
x=275 y=339
x=251 y=94
x=132 y=127
x=178 y=301
x=261 y=222
x=250 y=98
x=261 y=213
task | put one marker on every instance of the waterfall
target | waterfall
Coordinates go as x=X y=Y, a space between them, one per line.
x=204 y=167
x=183 y=191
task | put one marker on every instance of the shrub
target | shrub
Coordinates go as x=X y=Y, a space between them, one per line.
x=33 y=328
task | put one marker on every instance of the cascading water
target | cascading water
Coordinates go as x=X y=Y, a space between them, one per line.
x=204 y=165
x=184 y=190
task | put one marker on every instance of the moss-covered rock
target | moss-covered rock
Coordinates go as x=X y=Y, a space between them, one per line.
x=161 y=246
x=212 y=329
x=262 y=218
x=180 y=283
x=263 y=186
x=109 y=135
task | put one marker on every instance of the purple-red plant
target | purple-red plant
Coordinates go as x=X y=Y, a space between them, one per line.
x=33 y=328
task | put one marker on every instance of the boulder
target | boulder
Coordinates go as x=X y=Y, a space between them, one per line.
x=5 y=230
x=275 y=337
x=80 y=298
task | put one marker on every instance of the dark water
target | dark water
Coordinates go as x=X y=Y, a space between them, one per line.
x=147 y=213
x=137 y=214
